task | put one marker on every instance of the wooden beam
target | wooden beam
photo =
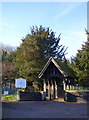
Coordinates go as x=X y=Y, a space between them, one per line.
x=44 y=83
x=49 y=90
x=56 y=90
x=64 y=85
x=52 y=90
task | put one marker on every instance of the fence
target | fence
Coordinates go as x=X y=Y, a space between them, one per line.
x=10 y=90
x=69 y=87
x=9 y=94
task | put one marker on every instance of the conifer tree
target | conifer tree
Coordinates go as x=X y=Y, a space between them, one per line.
x=35 y=50
x=81 y=64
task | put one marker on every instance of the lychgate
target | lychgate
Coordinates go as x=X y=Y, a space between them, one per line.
x=56 y=77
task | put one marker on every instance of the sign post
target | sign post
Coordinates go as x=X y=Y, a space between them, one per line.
x=20 y=83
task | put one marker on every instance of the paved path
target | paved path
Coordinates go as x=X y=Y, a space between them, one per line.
x=44 y=109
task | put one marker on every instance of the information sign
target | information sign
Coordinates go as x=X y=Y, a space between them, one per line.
x=20 y=83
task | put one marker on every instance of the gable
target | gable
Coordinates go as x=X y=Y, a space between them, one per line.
x=52 y=71
x=60 y=67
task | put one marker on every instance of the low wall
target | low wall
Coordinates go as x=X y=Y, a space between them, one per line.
x=29 y=96
x=76 y=96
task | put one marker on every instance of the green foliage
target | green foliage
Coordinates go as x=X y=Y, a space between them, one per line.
x=11 y=56
x=35 y=50
x=65 y=66
x=80 y=64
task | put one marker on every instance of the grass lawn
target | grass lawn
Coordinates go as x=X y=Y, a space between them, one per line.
x=11 y=97
x=60 y=97
x=47 y=98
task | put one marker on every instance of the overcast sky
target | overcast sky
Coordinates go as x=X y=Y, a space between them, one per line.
x=67 y=18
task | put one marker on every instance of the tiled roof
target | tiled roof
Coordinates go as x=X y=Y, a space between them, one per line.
x=62 y=67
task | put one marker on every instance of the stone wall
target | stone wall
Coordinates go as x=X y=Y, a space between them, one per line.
x=76 y=96
x=29 y=96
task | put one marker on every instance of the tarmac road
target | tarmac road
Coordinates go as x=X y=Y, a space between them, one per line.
x=43 y=109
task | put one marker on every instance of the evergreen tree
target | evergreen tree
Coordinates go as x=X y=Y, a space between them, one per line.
x=81 y=64
x=35 y=50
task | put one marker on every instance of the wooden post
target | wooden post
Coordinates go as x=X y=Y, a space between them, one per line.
x=67 y=87
x=70 y=87
x=64 y=84
x=73 y=87
x=56 y=90
x=44 y=85
x=49 y=89
x=52 y=90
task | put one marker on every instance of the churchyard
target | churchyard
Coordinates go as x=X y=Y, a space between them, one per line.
x=44 y=86
x=57 y=100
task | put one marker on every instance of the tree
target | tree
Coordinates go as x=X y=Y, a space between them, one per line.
x=9 y=72
x=81 y=64
x=35 y=50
